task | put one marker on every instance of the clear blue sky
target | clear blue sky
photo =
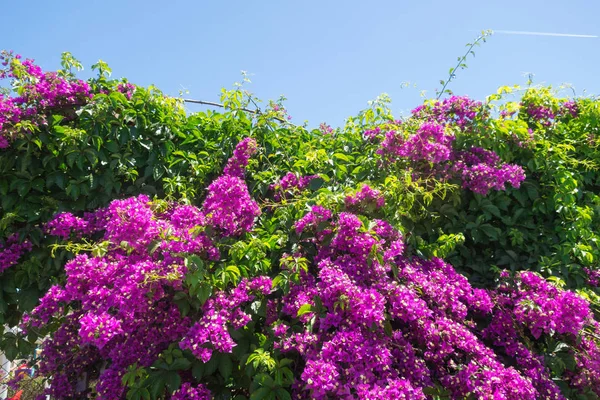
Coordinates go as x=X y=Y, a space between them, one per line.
x=327 y=57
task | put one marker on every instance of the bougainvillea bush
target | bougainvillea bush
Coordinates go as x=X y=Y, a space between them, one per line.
x=155 y=254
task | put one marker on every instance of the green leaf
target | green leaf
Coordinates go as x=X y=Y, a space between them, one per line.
x=532 y=191
x=9 y=201
x=261 y=393
x=73 y=190
x=211 y=366
x=59 y=180
x=233 y=270
x=3 y=187
x=183 y=305
x=180 y=364
x=38 y=184
x=204 y=292
x=225 y=366
x=23 y=189
x=157 y=172
x=316 y=184
x=172 y=380
x=343 y=157
x=492 y=209
x=490 y=231
x=198 y=370
x=28 y=299
x=157 y=385
x=283 y=394
x=10 y=350
x=305 y=309
x=71 y=158
x=112 y=146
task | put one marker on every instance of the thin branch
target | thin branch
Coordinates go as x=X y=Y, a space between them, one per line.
x=461 y=61
x=212 y=103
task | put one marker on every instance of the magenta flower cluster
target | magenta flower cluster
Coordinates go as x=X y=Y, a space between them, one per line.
x=593 y=276
x=41 y=92
x=99 y=328
x=12 y=250
x=280 y=111
x=236 y=165
x=10 y=115
x=541 y=113
x=528 y=305
x=543 y=308
x=381 y=324
x=219 y=313
x=547 y=114
x=49 y=90
x=458 y=111
x=121 y=307
x=372 y=134
x=312 y=219
x=365 y=200
x=430 y=151
x=325 y=129
x=570 y=108
x=429 y=143
x=117 y=307
x=127 y=89
x=65 y=224
x=189 y=392
x=228 y=206
x=291 y=184
x=481 y=171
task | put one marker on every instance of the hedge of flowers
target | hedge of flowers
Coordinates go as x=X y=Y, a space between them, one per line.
x=294 y=263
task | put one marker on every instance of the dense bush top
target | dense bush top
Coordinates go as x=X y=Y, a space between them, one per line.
x=157 y=254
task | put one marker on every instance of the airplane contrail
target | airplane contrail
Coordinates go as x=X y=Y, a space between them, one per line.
x=545 y=34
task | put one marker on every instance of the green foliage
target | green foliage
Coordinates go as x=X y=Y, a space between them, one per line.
x=116 y=146
x=84 y=157
x=547 y=225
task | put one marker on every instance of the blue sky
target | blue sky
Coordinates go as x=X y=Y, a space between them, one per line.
x=327 y=57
